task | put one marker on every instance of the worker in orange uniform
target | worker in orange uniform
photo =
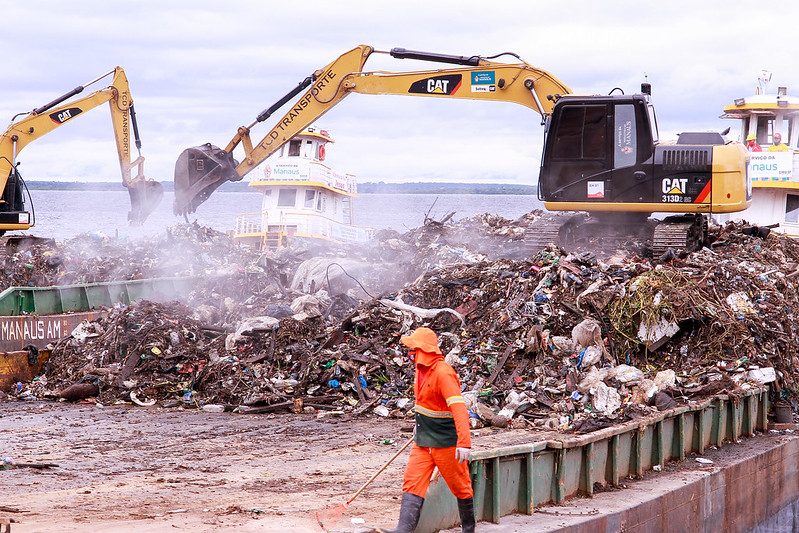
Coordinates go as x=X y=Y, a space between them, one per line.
x=751 y=143
x=442 y=434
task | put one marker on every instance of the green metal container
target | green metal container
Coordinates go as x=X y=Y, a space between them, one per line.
x=517 y=479
x=85 y=297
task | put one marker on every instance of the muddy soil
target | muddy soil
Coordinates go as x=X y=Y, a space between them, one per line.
x=124 y=468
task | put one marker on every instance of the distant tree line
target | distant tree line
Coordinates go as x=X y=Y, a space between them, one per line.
x=445 y=188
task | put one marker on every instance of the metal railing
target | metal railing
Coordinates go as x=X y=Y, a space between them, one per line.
x=299 y=224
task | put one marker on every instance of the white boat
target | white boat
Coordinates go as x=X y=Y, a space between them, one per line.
x=775 y=175
x=302 y=198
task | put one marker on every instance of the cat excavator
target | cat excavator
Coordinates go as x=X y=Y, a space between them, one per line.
x=145 y=195
x=602 y=158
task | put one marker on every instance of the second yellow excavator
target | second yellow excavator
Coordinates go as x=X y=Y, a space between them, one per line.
x=602 y=153
x=145 y=195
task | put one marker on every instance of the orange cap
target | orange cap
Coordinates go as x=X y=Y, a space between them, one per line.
x=424 y=339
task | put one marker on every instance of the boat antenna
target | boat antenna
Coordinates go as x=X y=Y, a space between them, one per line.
x=763 y=80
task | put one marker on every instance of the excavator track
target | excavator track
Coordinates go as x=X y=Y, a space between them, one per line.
x=539 y=237
x=681 y=233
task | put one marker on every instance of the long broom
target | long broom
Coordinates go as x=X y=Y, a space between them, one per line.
x=329 y=517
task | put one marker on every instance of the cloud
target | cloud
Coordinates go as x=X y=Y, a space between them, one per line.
x=200 y=69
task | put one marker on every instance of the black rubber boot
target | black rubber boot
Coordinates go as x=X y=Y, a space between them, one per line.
x=466 y=510
x=410 y=510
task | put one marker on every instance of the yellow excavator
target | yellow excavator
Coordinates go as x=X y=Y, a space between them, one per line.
x=145 y=195
x=602 y=154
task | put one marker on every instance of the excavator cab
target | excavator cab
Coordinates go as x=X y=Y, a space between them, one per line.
x=598 y=150
x=199 y=171
x=602 y=155
x=13 y=215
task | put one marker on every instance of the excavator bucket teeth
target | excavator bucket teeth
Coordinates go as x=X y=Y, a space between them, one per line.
x=145 y=196
x=199 y=171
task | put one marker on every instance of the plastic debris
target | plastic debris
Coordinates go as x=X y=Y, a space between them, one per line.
x=534 y=334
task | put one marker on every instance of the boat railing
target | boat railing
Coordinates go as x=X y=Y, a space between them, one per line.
x=304 y=224
x=316 y=225
x=249 y=223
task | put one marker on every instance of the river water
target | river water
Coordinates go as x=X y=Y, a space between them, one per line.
x=64 y=214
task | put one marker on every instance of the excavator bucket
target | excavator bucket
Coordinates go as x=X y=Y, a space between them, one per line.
x=199 y=171
x=145 y=196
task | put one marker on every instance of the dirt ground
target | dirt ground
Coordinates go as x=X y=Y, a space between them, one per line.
x=123 y=468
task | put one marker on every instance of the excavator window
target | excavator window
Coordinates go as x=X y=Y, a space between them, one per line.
x=653 y=123
x=626 y=141
x=13 y=199
x=580 y=133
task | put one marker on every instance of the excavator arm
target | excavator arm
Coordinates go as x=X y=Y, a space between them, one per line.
x=145 y=195
x=202 y=169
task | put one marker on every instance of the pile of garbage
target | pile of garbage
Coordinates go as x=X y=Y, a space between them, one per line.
x=564 y=339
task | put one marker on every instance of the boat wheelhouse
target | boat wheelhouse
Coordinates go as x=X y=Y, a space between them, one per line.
x=302 y=198
x=774 y=174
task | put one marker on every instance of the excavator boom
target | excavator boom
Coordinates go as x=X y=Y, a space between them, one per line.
x=145 y=195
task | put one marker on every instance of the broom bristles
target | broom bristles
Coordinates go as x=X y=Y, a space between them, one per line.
x=330 y=516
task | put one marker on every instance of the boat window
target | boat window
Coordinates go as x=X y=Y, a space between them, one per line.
x=310 y=197
x=767 y=127
x=287 y=198
x=294 y=148
x=764 y=129
x=792 y=208
x=308 y=149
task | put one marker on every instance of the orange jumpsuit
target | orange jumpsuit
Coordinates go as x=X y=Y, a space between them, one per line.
x=442 y=424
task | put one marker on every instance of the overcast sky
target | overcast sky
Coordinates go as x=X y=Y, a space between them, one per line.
x=200 y=69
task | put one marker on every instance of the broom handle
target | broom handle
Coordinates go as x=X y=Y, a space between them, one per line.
x=379 y=471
